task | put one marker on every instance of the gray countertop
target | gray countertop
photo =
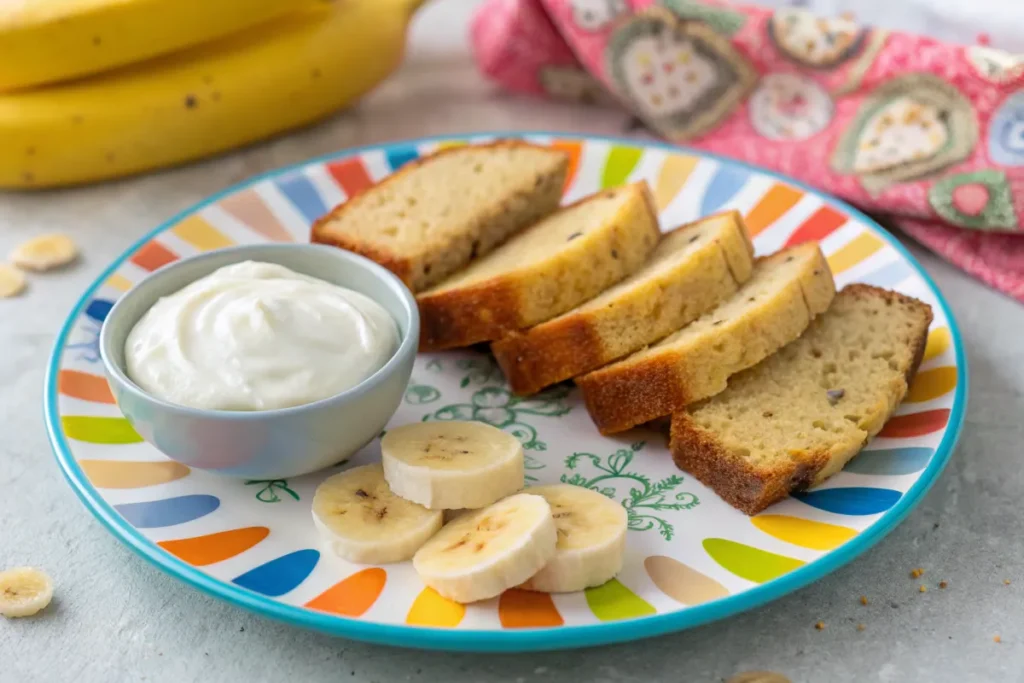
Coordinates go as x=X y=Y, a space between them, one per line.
x=116 y=618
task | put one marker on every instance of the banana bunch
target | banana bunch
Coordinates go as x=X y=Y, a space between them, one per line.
x=551 y=539
x=96 y=89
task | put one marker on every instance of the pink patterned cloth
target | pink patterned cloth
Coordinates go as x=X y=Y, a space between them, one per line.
x=928 y=133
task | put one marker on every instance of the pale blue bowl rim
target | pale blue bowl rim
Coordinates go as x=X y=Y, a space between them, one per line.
x=406 y=347
x=507 y=640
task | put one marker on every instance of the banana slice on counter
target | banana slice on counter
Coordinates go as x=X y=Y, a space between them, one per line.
x=45 y=252
x=484 y=553
x=24 y=591
x=451 y=465
x=362 y=520
x=12 y=281
x=591 y=539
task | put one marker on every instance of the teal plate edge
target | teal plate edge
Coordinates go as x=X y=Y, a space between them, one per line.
x=525 y=640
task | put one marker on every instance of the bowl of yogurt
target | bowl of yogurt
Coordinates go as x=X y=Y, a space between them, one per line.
x=262 y=361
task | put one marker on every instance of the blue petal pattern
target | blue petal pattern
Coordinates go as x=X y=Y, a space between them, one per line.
x=855 y=500
x=280 y=575
x=727 y=181
x=400 y=156
x=98 y=309
x=167 y=512
x=301 y=192
x=890 y=461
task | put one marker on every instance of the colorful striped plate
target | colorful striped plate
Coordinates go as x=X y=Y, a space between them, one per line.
x=691 y=558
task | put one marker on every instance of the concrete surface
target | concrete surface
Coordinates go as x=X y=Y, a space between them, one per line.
x=116 y=618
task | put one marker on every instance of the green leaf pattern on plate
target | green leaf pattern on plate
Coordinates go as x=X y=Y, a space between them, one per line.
x=269 y=492
x=479 y=370
x=646 y=501
x=496 y=406
x=421 y=394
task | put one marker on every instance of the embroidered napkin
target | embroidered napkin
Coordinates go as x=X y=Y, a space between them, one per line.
x=928 y=133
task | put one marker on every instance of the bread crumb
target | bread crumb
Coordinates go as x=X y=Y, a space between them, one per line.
x=998 y=639
x=943 y=584
x=914 y=573
x=860 y=627
x=1006 y=582
x=923 y=588
x=820 y=626
x=863 y=599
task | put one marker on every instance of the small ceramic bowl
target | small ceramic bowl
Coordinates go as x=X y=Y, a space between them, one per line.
x=270 y=444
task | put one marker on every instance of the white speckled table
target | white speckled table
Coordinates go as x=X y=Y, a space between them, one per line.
x=116 y=618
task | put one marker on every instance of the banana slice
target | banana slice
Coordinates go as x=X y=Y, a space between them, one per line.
x=361 y=520
x=484 y=553
x=591 y=539
x=24 y=591
x=12 y=281
x=450 y=465
x=45 y=252
x=452 y=515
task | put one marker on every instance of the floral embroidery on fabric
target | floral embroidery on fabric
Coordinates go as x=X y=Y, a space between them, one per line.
x=682 y=76
x=997 y=66
x=908 y=128
x=722 y=19
x=980 y=200
x=789 y=107
x=817 y=42
x=594 y=15
x=1006 y=131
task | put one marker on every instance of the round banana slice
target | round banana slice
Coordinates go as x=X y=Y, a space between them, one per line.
x=450 y=465
x=361 y=520
x=24 y=591
x=591 y=539
x=12 y=281
x=45 y=252
x=485 y=552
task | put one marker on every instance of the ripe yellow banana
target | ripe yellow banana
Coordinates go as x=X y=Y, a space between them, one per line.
x=43 y=41
x=206 y=99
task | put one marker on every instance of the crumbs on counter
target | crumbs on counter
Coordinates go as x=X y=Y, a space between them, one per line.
x=1006 y=582
x=863 y=599
x=860 y=627
x=922 y=588
x=915 y=573
x=943 y=584
x=820 y=626
x=997 y=639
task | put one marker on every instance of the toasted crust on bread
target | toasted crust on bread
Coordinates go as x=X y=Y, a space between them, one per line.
x=786 y=291
x=552 y=266
x=797 y=418
x=693 y=268
x=437 y=213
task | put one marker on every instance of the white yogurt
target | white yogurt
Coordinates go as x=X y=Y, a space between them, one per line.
x=258 y=336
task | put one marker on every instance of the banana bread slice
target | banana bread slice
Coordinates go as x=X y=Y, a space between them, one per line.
x=692 y=270
x=797 y=418
x=560 y=262
x=786 y=291
x=436 y=214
